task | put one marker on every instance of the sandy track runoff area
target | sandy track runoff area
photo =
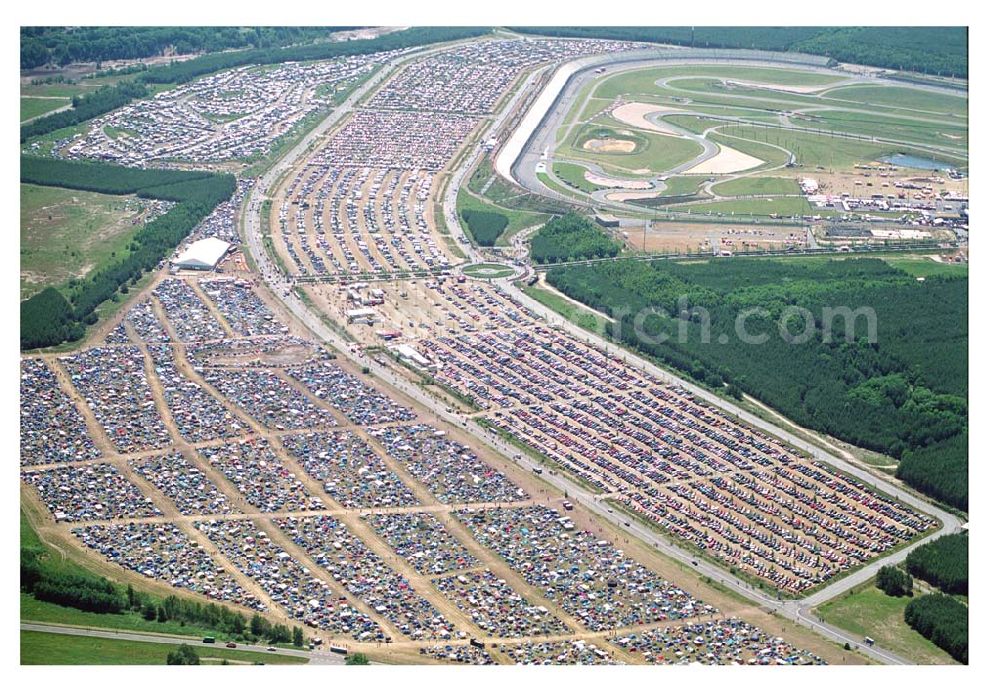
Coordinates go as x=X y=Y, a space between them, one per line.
x=728 y=161
x=635 y=113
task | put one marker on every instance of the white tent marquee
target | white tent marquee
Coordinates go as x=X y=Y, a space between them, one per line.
x=203 y=254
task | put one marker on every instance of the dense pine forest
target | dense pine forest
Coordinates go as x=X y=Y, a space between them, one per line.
x=929 y=50
x=944 y=562
x=943 y=620
x=54 y=316
x=571 y=237
x=42 y=45
x=86 y=107
x=899 y=385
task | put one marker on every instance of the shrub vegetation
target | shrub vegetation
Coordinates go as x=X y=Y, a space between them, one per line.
x=894 y=581
x=485 y=227
x=571 y=237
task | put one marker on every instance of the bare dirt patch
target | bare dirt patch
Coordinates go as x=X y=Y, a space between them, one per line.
x=697 y=237
x=612 y=145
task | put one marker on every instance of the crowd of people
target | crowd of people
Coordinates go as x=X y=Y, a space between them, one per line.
x=198 y=415
x=261 y=476
x=423 y=541
x=363 y=404
x=578 y=652
x=245 y=312
x=147 y=326
x=184 y=484
x=188 y=315
x=233 y=115
x=268 y=398
x=221 y=223
x=112 y=381
x=361 y=205
x=458 y=653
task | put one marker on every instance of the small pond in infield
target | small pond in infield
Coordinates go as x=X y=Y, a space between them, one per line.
x=903 y=160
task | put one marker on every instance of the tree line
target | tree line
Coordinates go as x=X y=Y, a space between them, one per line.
x=940 y=470
x=894 y=581
x=43 y=45
x=571 y=237
x=85 y=107
x=91 y=593
x=53 y=316
x=944 y=621
x=898 y=384
x=929 y=50
x=944 y=563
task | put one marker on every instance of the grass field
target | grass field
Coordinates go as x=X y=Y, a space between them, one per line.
x=924 y=266
x=487 y=271
x=867 y=124
x=567 y=308
x=644 y=80
x=695 y=123
x=814 y=149
x=36 y=107
x=67 y=233
x=902 y=98
x=653 y=153
x=870 y=612
x=573 y=174
x=754 y=206
x=683 y=184
x=518 y=220
x=49 y=613
x=887 y=112
x=757 y=185
x=40 y=648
